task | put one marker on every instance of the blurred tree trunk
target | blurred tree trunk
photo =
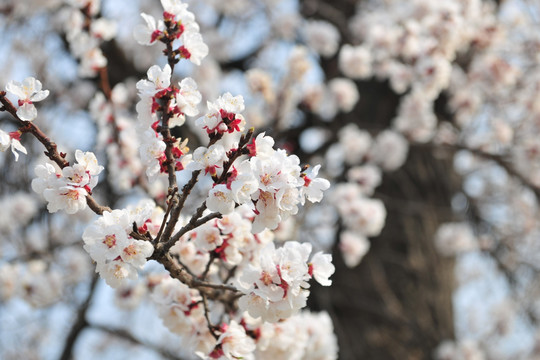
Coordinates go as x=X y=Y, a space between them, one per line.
x=397 y=304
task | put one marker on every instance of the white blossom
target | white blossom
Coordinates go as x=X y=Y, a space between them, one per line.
x=355 y=62
x=353 y=247
x=195 y=48
x=28 y=92
x=67 y=189
x=188 y=97
x=313 y=187
x=148 y=33
x=277 y=288
x=158 y=79
x=321 y=268
x=10 y=141
x=220 y=199
x=345 y=92
x=322 y=36
x=234 y=344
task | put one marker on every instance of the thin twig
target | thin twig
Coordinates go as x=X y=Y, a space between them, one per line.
x=499 y=160
x=175 y=214
x=211 y=327
x=225 y=293
x=172 y=203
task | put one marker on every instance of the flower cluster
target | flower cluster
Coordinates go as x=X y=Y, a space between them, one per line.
x=230 y=239
x=85 y=32
x=178 y=24
x=223 y=115
x=226 y=276
x=303 y=336
x=175 y=103
x=117 y=135
x=19 y=209
x=109 y=242
x=182 y=313
x=34 y=282
x=233 y=343
x=270 y=181
x=67 y=189
x=276 y=287
x=362 y=217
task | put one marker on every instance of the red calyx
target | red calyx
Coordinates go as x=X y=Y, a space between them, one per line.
x=180 y=30
x=163 y=164
x=217 y=352
x=155 y=105
x=162 y=93
x=211 y=169
x=155 y=35
x=176 y=152
x=15 y=135
x=178 y=166
x=226 y=115
x=310 y=269
x=167 y=16
x=252 y=147
x=155 y=126
x=184 y=52
x=233 y=126
x=232 y=176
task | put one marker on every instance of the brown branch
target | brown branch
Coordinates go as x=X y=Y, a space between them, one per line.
x=125 y=335
x=175 y=214
x=211 y=327
x=168 y=139
x=161 y=251
x=244 y=140
x=104 y=83
x=80 y=322
x=95 y=207
x=225 y=293
x=192 y=224
x=172 y=203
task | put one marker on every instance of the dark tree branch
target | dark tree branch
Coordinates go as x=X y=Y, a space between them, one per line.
x=80 y=321
x=127 y=336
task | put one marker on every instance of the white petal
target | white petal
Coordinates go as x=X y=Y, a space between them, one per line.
x=40 y=95
x=16 y=89
x=16 y=145
x=27 y=112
